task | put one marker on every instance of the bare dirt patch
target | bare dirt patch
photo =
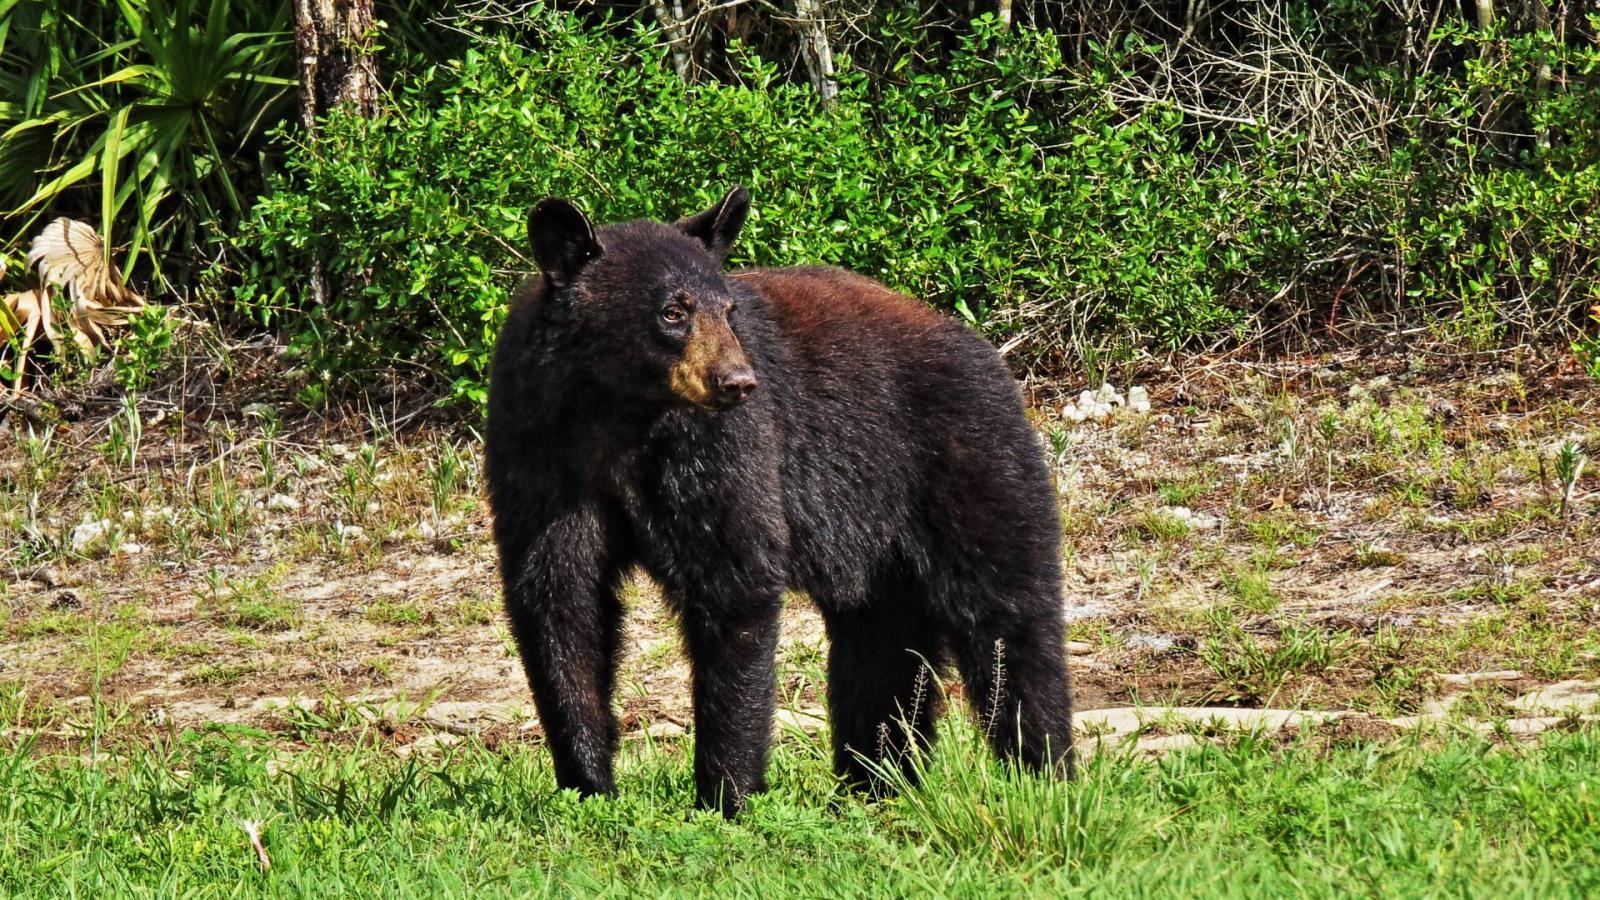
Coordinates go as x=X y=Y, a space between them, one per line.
x=1322 y=534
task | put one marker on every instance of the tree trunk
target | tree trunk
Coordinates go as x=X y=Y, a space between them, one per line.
x=1488 y=117
x=334 y=41
x=1542 y=75
x=814 y=47
x=672 y=28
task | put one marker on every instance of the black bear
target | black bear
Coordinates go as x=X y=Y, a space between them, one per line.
x=737 y=434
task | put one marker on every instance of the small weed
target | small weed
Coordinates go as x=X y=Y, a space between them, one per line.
x=223 y=508
x=444 y=475
x=124 y=433
x=1413 y=493
x=1377 y=556
x=1160 y=525
x=1251 y=668
x=396 y=612
x=1274 y=531
x=1569 y=468
x=247 y=602
x=474 y=610
x=1502 y=593
x=1470 y=481
x=267 y=448
x=1252 y=589
x=1182 y=493
x=380 y=667
x=221 y=673
x=357 y=489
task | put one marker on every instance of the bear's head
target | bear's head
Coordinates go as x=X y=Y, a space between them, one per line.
x=649 y=303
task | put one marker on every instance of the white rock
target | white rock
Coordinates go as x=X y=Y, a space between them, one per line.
x=89 y=533
x=349 y=532
x=1561 y=697
x=1198 y=521
x=1135 y=459
x=804 y=720
x=665 y=730
x=1156 y=643
x=1467 y=679
x=283 y=503
x=1103 y=402
x=130 y=548
x=1163 y=744
x=426 y=531
x=372 y=507
x=1074 y=612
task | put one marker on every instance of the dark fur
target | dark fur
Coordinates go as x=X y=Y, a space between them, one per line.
x=882 y=466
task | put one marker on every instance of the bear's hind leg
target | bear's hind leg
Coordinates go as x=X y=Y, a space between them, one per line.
x=883 y=695
x=1017 y=683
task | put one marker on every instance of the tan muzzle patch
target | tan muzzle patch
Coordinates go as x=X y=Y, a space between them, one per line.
x=712 y=347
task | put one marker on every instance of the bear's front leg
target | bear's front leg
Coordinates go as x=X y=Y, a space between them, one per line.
x=735 y=690
x=561 y=597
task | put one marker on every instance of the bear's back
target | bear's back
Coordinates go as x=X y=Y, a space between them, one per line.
x=892 y=415
x=836 y=322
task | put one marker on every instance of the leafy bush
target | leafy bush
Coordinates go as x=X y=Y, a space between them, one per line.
x=1009 y=186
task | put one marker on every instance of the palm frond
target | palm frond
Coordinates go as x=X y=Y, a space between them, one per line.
x=70 y=253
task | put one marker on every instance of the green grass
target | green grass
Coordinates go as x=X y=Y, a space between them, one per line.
x=1463 y=818
x=1251 y=588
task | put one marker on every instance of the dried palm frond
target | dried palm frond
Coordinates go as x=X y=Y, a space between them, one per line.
x=24 y=315
x=70 y=253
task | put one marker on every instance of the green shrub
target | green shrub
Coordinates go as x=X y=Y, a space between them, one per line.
x=1012 y=188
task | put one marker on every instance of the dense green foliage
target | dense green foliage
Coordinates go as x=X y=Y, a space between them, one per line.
x=1461 y=819
x=1115 y=174
x=150 y=115
x=1007 y=184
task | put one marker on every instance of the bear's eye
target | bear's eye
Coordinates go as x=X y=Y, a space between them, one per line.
x=674 y=314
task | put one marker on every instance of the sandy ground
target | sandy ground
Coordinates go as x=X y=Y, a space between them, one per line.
x=1346 y=543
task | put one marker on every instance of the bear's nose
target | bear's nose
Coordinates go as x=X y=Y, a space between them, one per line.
x=736 y=384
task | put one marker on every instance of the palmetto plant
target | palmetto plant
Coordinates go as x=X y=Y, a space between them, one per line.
x=69 y=255
x=146 y=115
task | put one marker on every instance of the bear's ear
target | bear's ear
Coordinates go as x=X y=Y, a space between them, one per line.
x=717 y=227
x=562 y=238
